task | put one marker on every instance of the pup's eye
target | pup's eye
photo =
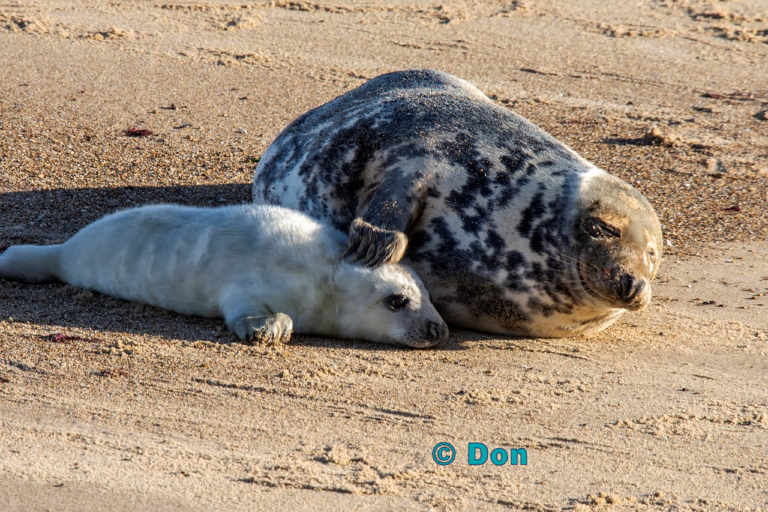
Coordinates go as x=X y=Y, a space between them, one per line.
x=396 y=302
x=599 y=229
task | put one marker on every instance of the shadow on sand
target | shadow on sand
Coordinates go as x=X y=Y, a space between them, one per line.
x=52 y=216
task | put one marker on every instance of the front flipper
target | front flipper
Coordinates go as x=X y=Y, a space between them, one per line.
x=378 y=234
x=245 y=308
x=270 y=329
x=374 y=245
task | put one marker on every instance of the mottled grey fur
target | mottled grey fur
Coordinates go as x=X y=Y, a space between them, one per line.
x=503 y=222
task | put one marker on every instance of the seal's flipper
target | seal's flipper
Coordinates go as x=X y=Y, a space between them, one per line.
x=270 y=329
x=379 y=232
x=374 y=245
x=31 y=263
x=246 y=313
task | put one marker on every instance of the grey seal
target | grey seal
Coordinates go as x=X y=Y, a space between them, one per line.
x=267 y=270
x=511 y=231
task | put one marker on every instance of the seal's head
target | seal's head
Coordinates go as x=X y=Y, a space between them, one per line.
x=386 y=304
x=621 y=242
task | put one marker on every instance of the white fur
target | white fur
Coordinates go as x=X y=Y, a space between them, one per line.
x=252 y=265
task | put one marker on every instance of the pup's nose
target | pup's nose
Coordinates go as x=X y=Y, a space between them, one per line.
x=437 y=332
x=628 y=287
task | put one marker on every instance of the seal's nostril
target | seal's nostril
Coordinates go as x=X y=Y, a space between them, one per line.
x=639 y=287
x=627 y=283
x=436 y=331
x=629 y=287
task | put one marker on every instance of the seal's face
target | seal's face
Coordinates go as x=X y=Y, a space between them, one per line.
x=387 y=304
x=621 y=240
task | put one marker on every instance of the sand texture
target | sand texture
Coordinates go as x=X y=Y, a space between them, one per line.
x=108 y=405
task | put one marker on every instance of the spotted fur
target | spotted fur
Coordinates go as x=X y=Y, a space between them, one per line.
x=491 y=204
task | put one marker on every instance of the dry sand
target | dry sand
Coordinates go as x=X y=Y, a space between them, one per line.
x=140 y=409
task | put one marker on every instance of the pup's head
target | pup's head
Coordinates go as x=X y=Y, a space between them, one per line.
x=621 y=243
x=387 y=304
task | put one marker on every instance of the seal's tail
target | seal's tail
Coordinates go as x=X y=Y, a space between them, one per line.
x=30 y=263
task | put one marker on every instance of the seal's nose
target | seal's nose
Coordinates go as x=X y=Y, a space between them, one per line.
x=628 y=287
x=437 y=332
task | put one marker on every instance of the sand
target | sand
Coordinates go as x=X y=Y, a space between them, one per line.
x=112 y=405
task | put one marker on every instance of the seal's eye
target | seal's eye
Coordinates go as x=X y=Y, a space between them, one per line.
x=396 y=302
x=599 y=229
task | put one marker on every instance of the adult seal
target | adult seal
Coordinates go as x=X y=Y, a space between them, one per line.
x=267 y=270
x=511 y=231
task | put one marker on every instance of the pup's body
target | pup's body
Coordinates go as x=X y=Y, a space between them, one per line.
x=267 y=270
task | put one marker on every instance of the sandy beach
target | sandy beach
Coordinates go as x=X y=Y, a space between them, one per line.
x=108 y=405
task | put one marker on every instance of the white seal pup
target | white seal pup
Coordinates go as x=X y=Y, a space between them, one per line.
x=511 y=231
x=267 y=270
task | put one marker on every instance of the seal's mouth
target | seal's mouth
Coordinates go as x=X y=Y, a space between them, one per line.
x=615 y=287
x=429 y=335
x=434 y=334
